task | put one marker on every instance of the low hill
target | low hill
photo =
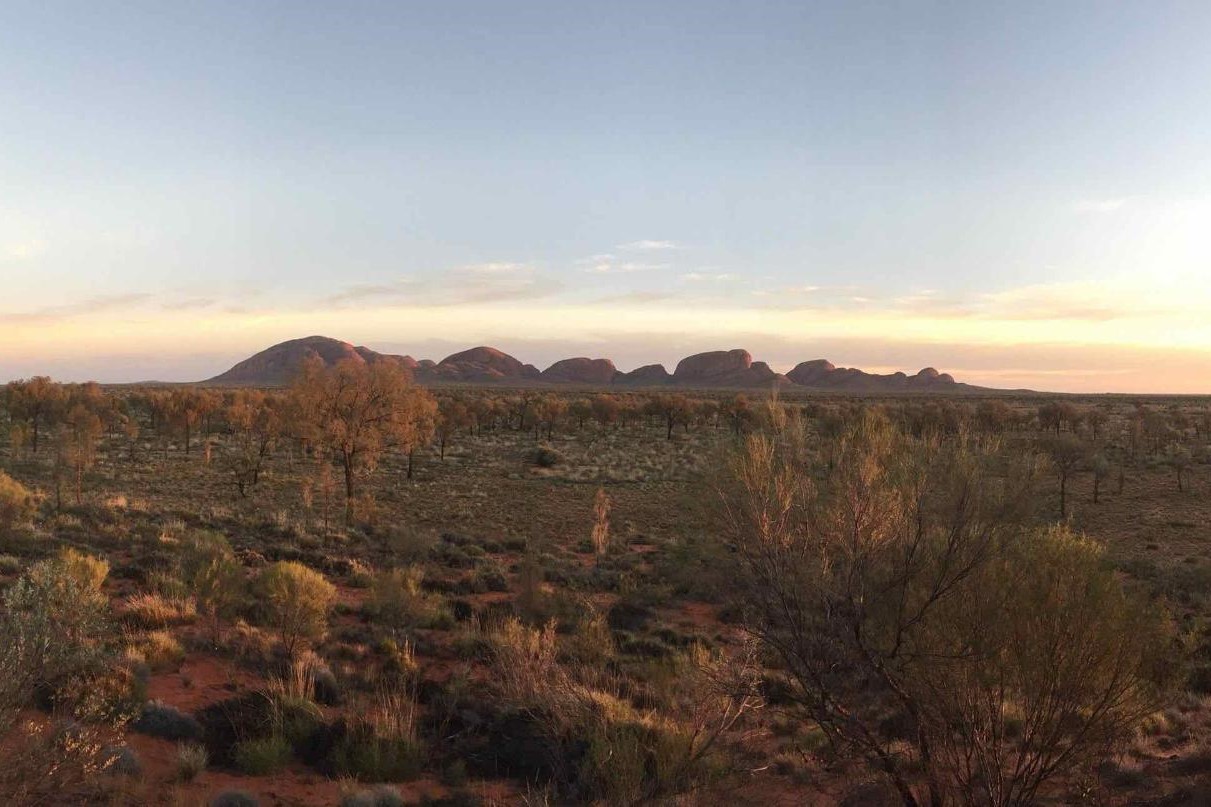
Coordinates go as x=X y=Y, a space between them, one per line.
x=735 y=368
x=279 y=364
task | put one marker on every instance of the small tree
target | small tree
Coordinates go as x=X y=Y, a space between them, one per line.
x=256 y=423
x=82 y=428
x=36 y=401
x=87 y=571
x=601 y=522
x=1179 y=459
x=453 y=414
x=295 y=601
x=606 y=410
x=354 y=411
x=1066 y=453
x=212 y=572
x=16 y=503
x=923 y=626
x=1100 y=466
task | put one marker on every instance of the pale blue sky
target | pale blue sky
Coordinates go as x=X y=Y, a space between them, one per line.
x=203 y=171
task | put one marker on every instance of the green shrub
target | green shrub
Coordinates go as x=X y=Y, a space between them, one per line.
x=367 y=757
x=88 y=571
x=381 y=796
x=214 y=576
x=234 y=798
x=192 y=759
x=16 y=504
x=546 y=457
x=380 y=744
x=262 y=756
x=397 y=600
x=167 y=722
x=295 y=601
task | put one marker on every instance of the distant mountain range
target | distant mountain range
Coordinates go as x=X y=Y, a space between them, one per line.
x=279 y=364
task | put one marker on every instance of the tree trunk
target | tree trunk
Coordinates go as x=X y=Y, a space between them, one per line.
x=348 y=489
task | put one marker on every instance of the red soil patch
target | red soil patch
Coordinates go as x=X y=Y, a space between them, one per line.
x=201 y=681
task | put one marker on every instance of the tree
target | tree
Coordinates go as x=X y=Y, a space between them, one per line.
x=547 y=411
x=354 y=411
x=36 y=401
x=673 y=409
x=1101 y=470
x=581 y=410
x=210 y=568
x=1066 y=453
x=917 y=616
x=739 y=413
x=50 y=624
x=16 y=503
x=295 y=601
x=81 y=430
x=606 y=410
x=601 y=522
x=1179 y=459
x=256 y=423
x=186 y=409
x=993 y=417
x=452 y=414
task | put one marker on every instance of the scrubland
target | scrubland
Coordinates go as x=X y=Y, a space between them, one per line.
x=551 y=598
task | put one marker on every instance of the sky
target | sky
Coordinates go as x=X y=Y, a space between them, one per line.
x=1016 y=193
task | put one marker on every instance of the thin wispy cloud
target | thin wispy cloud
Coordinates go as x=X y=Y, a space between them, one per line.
x=22 y=250
x=192 y=304
x=476 y=283
x=1108 y=205
x=647 y=245
x=104 y=304
x=608 y=267
x=695 y=277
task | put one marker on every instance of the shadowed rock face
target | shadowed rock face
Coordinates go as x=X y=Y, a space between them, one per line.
x=724 y=368
x=821 y=374
x=479 y=364
x=282 y=362
x=811 y=372
x=647 y=375
x=713 y=364
x=581 y=371
x=719 y=368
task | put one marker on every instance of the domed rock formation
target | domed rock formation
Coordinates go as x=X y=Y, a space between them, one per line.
x=581 y=370
x=713 y=369
x=479 y=364
x=724 y=368
x=278 y=365
x=647 y=375
x=811 y=373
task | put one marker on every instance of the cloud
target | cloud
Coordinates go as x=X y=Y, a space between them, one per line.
x=648 y=245
x=475 y=283
x=22 y=250
x=635 y=297
x=607 y=267
x=695 y=277
x=191 y=304
x=1108 y=205
x=87 y=307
